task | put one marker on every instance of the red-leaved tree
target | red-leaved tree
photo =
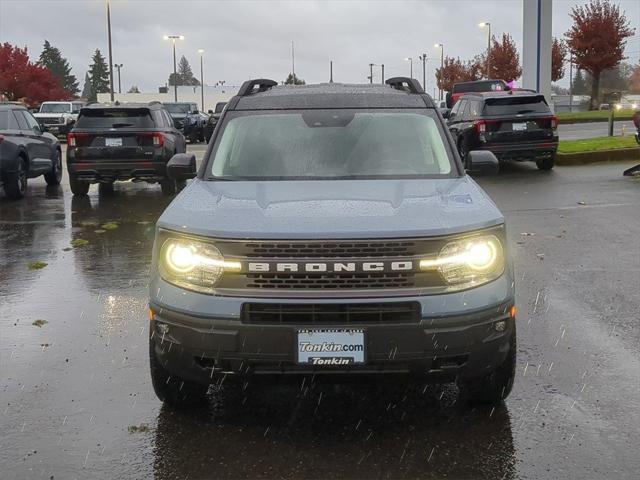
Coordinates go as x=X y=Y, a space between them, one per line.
x=597 y=40
x=22 y=80
x=455 y=71
x=558 y=56
x=504 y=61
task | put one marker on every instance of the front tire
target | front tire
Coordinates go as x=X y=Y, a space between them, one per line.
x=15 y=183
x=173 y=390
x=54 y=177
x=546 y=163
x=78 y=187
x=492 y=389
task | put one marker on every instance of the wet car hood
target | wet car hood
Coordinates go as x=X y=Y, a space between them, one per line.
x=331 y=209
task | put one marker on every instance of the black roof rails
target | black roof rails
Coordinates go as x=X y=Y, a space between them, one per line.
x=410 y=85
x=263 y=85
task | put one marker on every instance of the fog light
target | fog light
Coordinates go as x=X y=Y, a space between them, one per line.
x=500 y=326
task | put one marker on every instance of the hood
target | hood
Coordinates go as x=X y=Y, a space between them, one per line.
x=331 y=209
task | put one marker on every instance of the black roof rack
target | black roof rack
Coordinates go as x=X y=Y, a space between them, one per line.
x=410 y=85
x=249 y=86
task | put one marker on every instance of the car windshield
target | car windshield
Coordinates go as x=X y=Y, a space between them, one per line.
x=55 y=108
x=330 y=144
x=478 y=87
x=178 y=107
x=115 y=118
x=515 y=106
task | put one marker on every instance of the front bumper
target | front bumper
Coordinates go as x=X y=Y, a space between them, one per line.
x=456 y=336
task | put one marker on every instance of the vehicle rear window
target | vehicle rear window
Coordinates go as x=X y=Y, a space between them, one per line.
x=495 y=86
x=178 y=107
x=115 y=118
x=330 y=144
x=515 y=106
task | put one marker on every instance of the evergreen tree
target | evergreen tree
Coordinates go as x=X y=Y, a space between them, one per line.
x=293 y=79
x=98 y=76
x=580 y=86
x=134 y=89
x=52 y=59
x=86 y=89
x=185 y=74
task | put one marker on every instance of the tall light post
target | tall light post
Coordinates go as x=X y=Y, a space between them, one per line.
x=119 y=66
x=201 y=51
x=410 y=60
x=441 y=47
x=424 y=59
x=488 y=25
x=110 y=50
x=371 y=65
x=173 y=39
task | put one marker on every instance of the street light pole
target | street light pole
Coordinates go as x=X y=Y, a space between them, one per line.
x=382 y=72
x=173 y=38
x=371 y=72
x=423 y=57
x=571 y=83
x=119 y=66
x=441 y=47
x=201 y=51
x=410 y=60
x=488 y=25
x=110 y=50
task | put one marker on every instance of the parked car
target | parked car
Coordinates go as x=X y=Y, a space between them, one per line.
x=188 y=119
x=58 y=117
x=25 y=151
x=212 y=121
x=115 y=142
x=331 y=233
x=514 y=126
x=476 y=86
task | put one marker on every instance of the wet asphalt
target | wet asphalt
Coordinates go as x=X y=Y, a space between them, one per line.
x=76 y=399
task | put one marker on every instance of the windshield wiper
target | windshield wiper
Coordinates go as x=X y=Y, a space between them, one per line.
x=121 y=125
x=526 y=111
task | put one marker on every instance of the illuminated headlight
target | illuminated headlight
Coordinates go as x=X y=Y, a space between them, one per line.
x=193 y=265
x=468 y=262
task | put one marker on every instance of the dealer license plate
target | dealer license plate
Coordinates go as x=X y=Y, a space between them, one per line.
x=112 y=142
x=518 y=127
x=331 y=347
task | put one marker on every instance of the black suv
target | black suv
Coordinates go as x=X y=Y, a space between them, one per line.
x=513 y=125
x=188 y=119
x=129 y=141
x=25 y=151
x=214 y=116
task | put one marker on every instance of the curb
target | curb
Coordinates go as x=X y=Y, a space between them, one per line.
x=618 y=155
x=593 y=120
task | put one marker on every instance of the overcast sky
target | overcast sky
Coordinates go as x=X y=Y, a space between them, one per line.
x=244 y=39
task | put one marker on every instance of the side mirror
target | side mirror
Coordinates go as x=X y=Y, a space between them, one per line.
x=483 y=162
x=182 y=166
x=446 y=114
x=194 y=112
x=43 y=128
x=210 y=112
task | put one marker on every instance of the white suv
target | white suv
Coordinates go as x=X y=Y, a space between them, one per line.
x=58 y=117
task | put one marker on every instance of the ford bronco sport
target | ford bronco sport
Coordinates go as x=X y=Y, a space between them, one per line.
x=331 y=232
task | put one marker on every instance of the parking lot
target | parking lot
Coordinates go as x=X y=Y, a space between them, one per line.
x=77 y=400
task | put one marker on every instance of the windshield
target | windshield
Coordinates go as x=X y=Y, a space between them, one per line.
x=492 y=86
x=178 y=107
x=115 y=118
x=55 y=108
x=515 y=106
x=330 y=144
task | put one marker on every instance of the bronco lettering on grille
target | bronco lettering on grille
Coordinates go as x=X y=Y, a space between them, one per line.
x=329 y=267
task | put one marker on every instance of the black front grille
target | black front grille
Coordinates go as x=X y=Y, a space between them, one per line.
x=331 y=249
x=51 y=121
x=350 y=313
x=331 y=281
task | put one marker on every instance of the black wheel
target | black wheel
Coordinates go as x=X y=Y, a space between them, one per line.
x=105 y=188
x=173 y=390
x=78 y=187
x=54 y=177
x=15 y=183
x=493 y=388
x=546 y=163
x=168 y=186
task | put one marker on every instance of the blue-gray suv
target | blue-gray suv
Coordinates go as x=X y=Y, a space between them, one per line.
x=331 y=233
